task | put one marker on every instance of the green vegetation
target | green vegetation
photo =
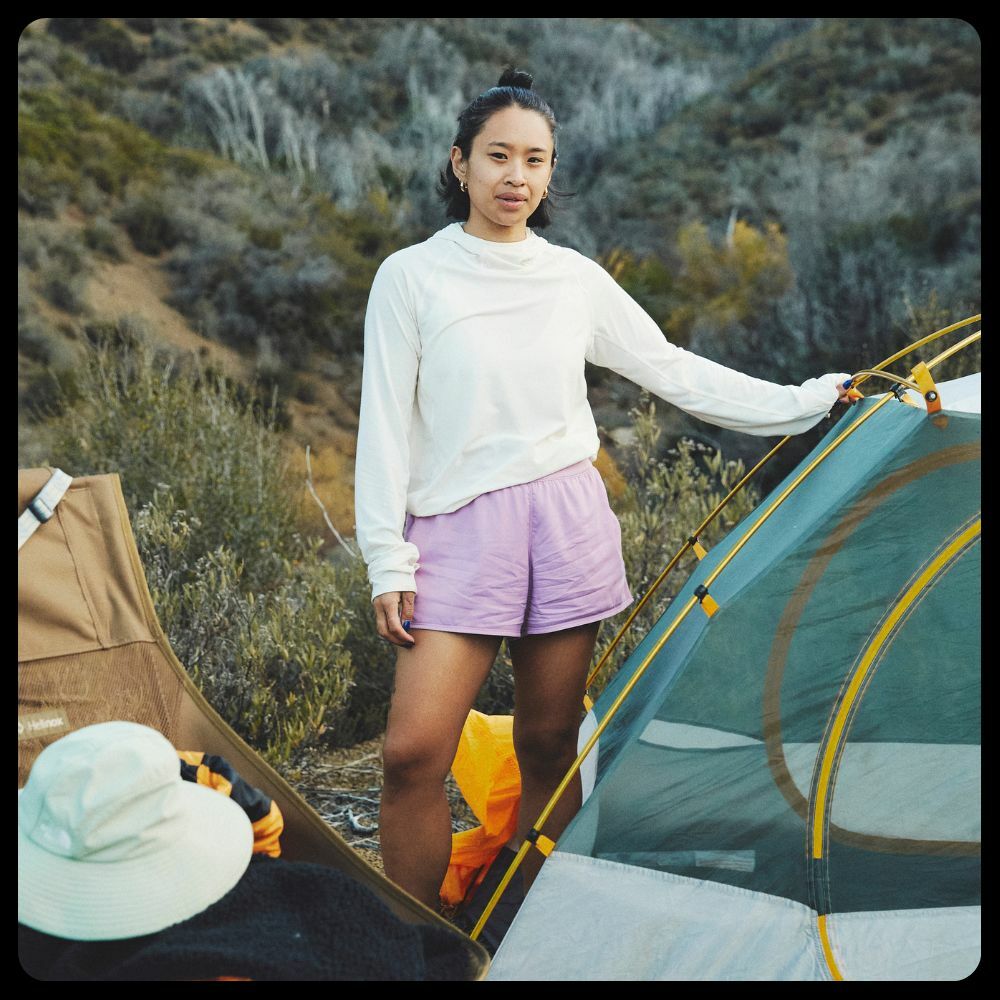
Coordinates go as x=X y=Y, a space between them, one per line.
x=787 y=196
x=63 y=140
x=722 y=284
x=249 y=604
x=103 y=39
x=275 y=664
x=256 y=262
x=131 y=409
x=854 y=140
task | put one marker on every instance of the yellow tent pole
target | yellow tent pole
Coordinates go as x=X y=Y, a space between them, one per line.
x=887 y=375
x=835 y=739
x=955 y=348
x=836 y=736
x=613 y=709
x=917 y=344
x=824 y=936
x=651 y=655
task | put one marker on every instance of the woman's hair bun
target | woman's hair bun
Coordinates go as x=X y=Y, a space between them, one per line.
x=515 y=78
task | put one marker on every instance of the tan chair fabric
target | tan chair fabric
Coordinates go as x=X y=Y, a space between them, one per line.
x=91 y=649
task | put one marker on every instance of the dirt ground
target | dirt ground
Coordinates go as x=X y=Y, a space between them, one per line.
x=345 y=787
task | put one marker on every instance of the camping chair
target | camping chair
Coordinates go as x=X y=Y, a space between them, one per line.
x=91 y=649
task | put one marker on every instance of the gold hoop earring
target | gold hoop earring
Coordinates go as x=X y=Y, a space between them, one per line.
x=463 y=186
x=544 y=196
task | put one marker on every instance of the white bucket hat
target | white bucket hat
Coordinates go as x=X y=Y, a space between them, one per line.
x=113 y=843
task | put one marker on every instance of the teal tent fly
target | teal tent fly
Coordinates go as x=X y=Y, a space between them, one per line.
x=791 y=789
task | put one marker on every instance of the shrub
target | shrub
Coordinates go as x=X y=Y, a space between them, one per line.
x=253 y=611
x=59 y=257
x=36 y=338
x=143 y=25
x=32 y=244
x=257 y=260
x=64 y=287
x=149 y=222
x=227 y=47
x=373 y=660
x=108 y=43
x=64 y=141
x=141 y=414
x=279 y=28
x=41 y=190
x=104 y=238
x=272 y=664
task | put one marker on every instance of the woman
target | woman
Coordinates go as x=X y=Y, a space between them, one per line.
x=475 y=456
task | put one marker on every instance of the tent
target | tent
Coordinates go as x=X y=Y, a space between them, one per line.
x=790 y=789
x=91 y=649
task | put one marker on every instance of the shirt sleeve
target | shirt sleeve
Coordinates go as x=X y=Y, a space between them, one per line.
x=627 y=340
x=382 y=466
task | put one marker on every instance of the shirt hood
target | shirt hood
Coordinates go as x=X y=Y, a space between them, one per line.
x=492 y=252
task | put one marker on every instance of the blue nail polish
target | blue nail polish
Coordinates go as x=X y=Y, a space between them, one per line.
x=406 y=625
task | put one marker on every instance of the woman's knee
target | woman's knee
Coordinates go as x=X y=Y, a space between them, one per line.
x=545 y=750
x=408 y=760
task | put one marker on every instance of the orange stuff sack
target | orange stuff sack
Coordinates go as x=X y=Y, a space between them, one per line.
x=486 y=771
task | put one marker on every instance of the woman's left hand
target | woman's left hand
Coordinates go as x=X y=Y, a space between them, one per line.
x=847 y=396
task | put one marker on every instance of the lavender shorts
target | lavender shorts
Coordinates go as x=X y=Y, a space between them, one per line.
x=532 y=558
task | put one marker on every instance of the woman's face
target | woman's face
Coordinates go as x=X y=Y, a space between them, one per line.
x=507 y=172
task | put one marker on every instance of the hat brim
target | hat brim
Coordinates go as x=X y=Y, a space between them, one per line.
x=88 y=901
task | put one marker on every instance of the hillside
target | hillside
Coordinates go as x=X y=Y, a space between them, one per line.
x=787 y=196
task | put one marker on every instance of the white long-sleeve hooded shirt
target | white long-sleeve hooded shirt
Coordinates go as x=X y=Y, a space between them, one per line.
x=473 y=380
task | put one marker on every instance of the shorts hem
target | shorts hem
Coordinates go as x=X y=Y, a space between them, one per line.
x=512 y=631
x=586 y=619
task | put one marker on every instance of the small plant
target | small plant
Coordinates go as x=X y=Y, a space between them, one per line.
x=104 y=238
x=149 y=222
x=60 y=260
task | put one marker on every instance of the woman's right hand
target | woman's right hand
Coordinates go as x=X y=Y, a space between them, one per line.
x=387 y=616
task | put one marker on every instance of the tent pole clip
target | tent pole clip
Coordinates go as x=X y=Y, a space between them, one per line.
x=708 y=603
x=899 y=391
x=543 y=843
x=922 y=376
x=699 y=550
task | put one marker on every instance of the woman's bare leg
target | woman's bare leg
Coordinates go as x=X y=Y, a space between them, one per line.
x=550 y=676
x=436 y=682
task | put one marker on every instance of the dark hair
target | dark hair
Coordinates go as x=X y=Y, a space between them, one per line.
x=513 y=88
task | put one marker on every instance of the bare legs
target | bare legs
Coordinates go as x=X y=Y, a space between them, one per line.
x=437 y=681
x=550 y=674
